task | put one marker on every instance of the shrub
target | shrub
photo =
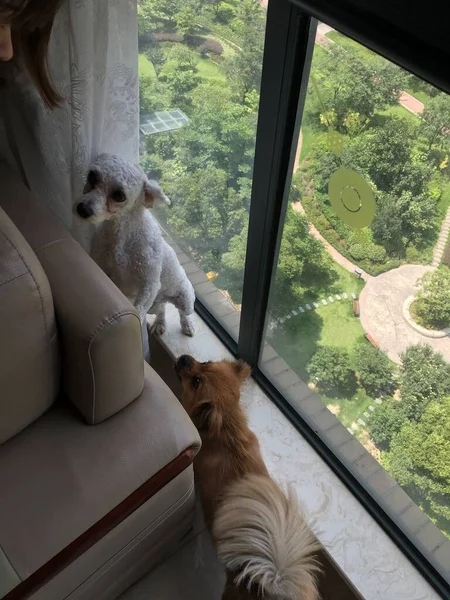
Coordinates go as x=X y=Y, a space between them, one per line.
x=385 y=422
x=373 y=368
x=225 y=13
x=359 y=251
x=433 y=300
x=426 y=377
x=376 y=253
x=166 y=37
x=214 y=46
x=330 y=367
x=198 y=42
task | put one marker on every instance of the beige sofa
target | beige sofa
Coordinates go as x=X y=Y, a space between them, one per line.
x=96 y=482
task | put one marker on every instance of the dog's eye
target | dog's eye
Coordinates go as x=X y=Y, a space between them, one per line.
x=118 y=196
x=92 y=178
x=196 y=381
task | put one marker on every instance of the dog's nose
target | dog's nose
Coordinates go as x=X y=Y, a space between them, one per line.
x=183 y=362
x=84 y=210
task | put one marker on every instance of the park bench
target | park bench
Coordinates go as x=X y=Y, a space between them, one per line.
x=370 y=339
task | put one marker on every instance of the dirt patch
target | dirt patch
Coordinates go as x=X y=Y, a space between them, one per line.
x=369 y=445
x=334 y=408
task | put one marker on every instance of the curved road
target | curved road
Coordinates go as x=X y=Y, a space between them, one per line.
x=381 y=303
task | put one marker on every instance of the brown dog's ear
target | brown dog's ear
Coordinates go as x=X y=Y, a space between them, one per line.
x=242 y=369
x=153 y=193
x=208 y=417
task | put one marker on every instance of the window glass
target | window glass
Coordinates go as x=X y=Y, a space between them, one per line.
x=200 y=68
x=360 y=307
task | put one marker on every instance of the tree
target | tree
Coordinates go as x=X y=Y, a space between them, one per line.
x=399 y=221
x=221 y=133
x=330 y=367
x=205 y=213
x=187 y=16
x=385 y=422
x=244 y=67
x=433 y=299
x=385 y=154
x=436 y=119
x=152 y=13
x=387 y=226
x=425 y=378
x=350 y=86
x=419 y=459
x=181 y=82
x=156 y=56
x=303 y=264
x=373 y=368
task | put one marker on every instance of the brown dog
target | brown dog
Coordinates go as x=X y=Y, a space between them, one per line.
x=259 y=532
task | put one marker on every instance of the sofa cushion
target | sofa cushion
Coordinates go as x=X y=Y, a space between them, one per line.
x=29 y=371
x=63 y=476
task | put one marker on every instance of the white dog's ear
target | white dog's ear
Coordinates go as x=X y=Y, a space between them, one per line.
x=153 y=193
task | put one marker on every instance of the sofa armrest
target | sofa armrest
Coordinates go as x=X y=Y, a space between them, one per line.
x=94 y=479
x=100 y=331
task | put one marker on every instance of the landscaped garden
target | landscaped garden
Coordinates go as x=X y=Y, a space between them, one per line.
x=206 y=59
x=403 y=157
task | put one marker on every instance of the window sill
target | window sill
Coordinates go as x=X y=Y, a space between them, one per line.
x=373 y=564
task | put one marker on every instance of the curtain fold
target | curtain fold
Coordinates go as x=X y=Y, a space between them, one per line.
x=93 y=60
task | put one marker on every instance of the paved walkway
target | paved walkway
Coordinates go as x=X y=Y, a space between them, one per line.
x=381 y=302
x=336 y=256
x=410 y=103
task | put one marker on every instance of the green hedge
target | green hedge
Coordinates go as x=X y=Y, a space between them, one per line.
x=374 y=261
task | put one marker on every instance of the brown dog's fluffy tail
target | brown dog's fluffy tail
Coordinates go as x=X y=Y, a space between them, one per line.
x=262 y=537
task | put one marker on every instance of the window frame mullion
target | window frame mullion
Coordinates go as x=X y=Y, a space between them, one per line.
x=289 y=45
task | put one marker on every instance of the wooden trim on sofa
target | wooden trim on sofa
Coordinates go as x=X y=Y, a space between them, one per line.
x=106 y=524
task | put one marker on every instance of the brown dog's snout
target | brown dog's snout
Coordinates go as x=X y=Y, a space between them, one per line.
x=184 y=362
x=85 y=210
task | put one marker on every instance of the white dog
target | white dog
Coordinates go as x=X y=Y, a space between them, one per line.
x=128 y=244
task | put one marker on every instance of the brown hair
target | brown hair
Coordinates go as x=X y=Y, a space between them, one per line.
x=31 y=23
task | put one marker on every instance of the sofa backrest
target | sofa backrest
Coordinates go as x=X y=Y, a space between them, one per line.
x=29 y=369
x=99 y=330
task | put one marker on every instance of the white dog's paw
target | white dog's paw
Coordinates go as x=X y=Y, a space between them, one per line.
x=187 y=327
x=158 y=327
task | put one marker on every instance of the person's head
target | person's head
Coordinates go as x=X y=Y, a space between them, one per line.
x=25 y=28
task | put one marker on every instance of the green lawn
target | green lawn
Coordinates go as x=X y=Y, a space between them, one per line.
x=444 y=200
x=400 y=111
x=309 y=135
x=206 y=68
x=359 y=50
x=419 y=94
x=349 y=410
x=331 y=325
x=146 y=68
x=210 y=71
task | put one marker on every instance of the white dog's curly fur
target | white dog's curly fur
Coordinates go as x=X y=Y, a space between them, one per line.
x=128 y=244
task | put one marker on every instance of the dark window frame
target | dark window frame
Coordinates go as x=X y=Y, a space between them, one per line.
x=288 y=52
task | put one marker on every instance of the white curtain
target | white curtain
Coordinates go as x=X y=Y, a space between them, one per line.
x=94 y=64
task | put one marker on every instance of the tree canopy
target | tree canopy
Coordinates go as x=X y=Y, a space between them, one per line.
x=433 y=298
x=330 y=368
x=419 y=459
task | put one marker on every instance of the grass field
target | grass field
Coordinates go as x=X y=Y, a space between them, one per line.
x=309 y=134
x=331 y=325
x=360 y=51
x=206 y=68
x=402 y=112
x=146 y=68
x=444 y=200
